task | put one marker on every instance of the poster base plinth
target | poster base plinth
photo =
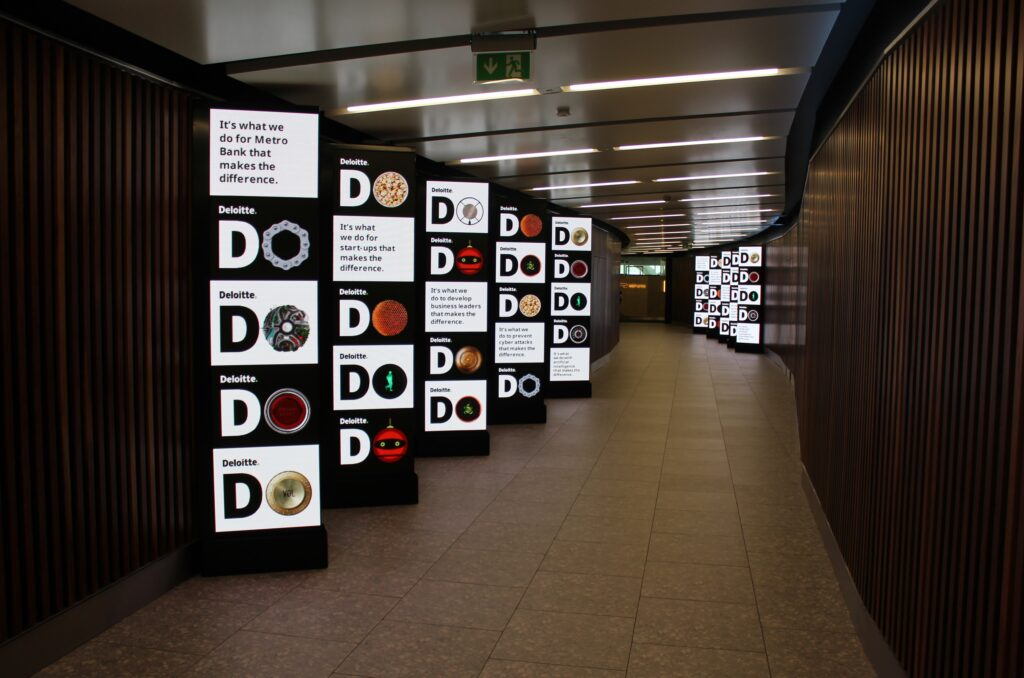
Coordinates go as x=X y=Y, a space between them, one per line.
x=460 y=444
x=367 y=490
x=749 y=348
x=569 y=389
x=532 y=415
x=300 y=548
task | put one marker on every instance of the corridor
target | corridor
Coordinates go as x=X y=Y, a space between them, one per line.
x=659 y=527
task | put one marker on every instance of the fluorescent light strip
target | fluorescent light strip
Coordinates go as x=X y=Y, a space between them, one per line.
x=621 y=204
x=649 y=216
x=672 y=80
x=603 y=183
x=717 y=212
x=715 y=176
x=725 y=223
x=524 y=156
x=700 y=142
x=658 y=225
x=729 y=197
x=441 y=101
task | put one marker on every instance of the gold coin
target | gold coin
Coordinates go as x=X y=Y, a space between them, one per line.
x=289 y=493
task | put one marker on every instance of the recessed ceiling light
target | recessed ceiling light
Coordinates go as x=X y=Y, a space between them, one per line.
x=602 y=183
x=729 y=197
x=673 y=80
x=715 y=176
x=524 y=156
x=441 y=101
x=622 y=204
x=648 y=216
x=698 y=142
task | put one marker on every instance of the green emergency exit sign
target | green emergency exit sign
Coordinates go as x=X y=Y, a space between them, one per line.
x=492 y=66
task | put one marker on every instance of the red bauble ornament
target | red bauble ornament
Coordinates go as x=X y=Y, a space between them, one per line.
x=390 y=444
x=469 y=260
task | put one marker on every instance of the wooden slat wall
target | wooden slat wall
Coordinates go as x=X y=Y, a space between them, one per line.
x=909 y=379
x=95 y=341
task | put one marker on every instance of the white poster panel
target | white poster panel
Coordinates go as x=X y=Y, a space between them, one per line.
x=569 y=364
x=570 y=299
x=455 y=405
x=375 y=377
x=518 y=343
x=455 y=307
x=263 y=322
x=571 y=234
x=517 y=262
x=266 y=488
x=373 y=249
x=457 y=207
x=265 y=154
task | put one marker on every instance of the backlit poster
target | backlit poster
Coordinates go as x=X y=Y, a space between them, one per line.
x=569 y=300
x=369 y=309
x=520 y=310
x=748 y=295
x=701 y=292
x=457 y=260
x=258 y=225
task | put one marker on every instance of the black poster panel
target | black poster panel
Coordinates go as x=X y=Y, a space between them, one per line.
x=256 y=222
x=748 y=292
x=520 y=313
x=701 y=293
x=369 y=304
x=714 y=294
x=456 y=264
x=569 y=263
x=725 y=318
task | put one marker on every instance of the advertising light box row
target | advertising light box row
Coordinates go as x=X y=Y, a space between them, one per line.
x=353 y=316
x=728 y=297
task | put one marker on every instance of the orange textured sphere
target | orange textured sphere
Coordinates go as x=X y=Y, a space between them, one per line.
x=531 y=225
x=389 y=317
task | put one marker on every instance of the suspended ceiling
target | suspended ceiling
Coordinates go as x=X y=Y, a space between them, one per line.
x=578 y=42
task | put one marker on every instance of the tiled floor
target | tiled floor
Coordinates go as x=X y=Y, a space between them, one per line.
x=658 y=528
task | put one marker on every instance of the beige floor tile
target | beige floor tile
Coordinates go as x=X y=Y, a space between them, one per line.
x=665 y=661
x=458 y=604
x=503 y=668
x=712 y=523
x=605 y=530
x=98 y=659
x=797 y=653
x=688 y=500
x=524 y=513
x=398 y=649
x=508 y=537
x=561 y=638
x=604 y=506
x=327 y=615
x=361 y=574
x=583 y=594
x=624 y=560
x=691 y=623
x=688 y=581
x=176 y=623
x=698 y=548
x=807 y=608
x=267 y=655
x=485 y=567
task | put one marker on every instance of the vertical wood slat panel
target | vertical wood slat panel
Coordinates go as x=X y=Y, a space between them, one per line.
x=906 y=270
x=96 y=351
